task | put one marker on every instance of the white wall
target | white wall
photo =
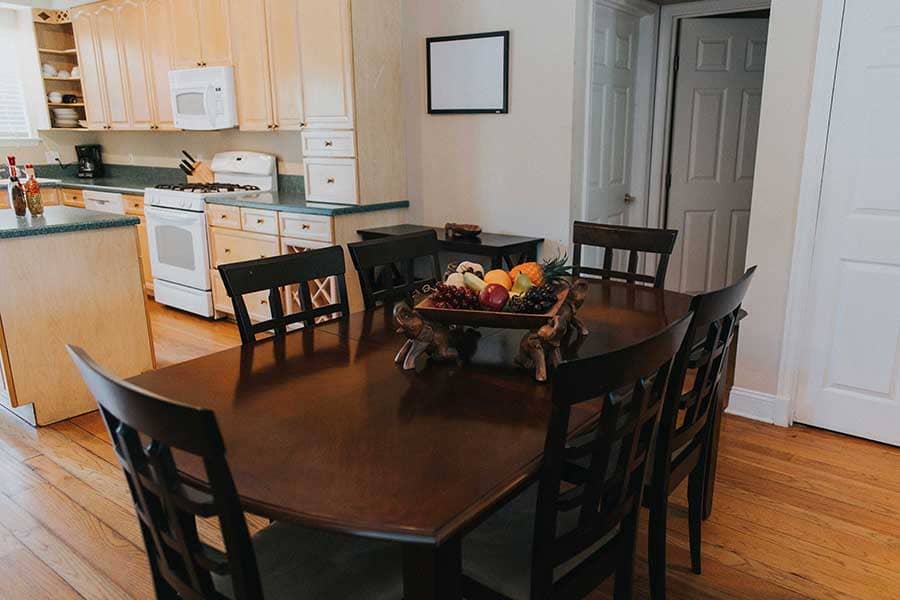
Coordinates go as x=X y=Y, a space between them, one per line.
x=508 y=173
x=793 y=36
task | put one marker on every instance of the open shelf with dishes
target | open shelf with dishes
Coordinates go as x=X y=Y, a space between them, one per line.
x=58 y=57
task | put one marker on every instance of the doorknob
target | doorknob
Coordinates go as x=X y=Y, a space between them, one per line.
x=629 y=198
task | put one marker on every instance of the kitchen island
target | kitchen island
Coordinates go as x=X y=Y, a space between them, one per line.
x=71 y=276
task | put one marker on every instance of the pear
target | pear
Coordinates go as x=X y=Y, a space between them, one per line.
x=520 y=285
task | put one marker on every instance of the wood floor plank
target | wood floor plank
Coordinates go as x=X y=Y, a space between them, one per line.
x=113 y=555
x=77 y=571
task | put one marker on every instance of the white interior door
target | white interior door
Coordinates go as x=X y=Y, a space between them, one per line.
x=611 y=111
x=714 y=129
x=850 y=383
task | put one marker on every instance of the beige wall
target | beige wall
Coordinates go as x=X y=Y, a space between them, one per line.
x=793 y=36
x=508 y=173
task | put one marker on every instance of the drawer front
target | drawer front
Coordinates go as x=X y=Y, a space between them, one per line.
x=331 y=180
x=257 y=303
x=49 y=196
x=260 y=221
x=329 y=143
x=307 y=227
x=219 y=215
x=238 y=246
x=134 y=205
x=73 y=198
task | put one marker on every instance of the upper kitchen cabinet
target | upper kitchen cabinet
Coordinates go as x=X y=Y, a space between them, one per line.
x=270 y=94
x=326 y=50
x=200 y=33
x=103 y=78
x=131 y=28
x=158 y=33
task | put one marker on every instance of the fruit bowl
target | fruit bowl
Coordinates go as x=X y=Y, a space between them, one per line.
x=488 y=318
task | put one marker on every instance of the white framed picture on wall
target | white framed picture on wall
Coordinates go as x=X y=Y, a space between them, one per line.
x=468 y=74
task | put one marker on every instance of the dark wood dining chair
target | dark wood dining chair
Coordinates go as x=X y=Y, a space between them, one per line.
x=683 y=443
x=279 y=562
x=278 y=272
x=578 y=526
x=634 y=240
x=386 y=266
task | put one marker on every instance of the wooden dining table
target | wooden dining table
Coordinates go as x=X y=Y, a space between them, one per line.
x=323 y=429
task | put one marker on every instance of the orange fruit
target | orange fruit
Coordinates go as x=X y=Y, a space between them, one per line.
x=500 y=277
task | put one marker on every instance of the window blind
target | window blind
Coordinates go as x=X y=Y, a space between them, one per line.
x=13 y=111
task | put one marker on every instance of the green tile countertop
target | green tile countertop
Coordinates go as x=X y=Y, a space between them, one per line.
x=59 y=219
x=295 y=202
x=116 y=185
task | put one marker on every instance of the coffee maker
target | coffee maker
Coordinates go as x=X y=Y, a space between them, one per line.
x=90 y=160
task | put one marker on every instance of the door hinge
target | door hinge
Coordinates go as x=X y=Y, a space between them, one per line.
x=676 y=63
x=669 y=180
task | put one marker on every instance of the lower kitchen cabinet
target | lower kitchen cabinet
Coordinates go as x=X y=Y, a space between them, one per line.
x=72 y=197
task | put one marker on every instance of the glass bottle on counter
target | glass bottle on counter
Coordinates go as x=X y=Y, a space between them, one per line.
x=15 y=189
x=33 y=192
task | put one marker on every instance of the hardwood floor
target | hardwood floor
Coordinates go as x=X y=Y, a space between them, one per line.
x=799 y=513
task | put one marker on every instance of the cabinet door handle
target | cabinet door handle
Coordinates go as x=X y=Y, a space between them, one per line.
x=260 y=221
x=263 y=301
x=305 y=226
x=329 y=180
x=224 y=217
x=329 y=143
x=227 y=250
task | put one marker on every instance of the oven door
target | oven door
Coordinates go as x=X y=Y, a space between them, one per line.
x=195 y=107
x=178 y=246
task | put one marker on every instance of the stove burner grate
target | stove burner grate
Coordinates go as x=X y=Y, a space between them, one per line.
x=207 y=188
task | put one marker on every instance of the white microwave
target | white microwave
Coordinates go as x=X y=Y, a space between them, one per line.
x=204 y=99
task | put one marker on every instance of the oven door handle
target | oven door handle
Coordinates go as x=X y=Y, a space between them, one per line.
x=175 y=216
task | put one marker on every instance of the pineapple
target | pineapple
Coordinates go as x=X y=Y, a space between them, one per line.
x=549 y=272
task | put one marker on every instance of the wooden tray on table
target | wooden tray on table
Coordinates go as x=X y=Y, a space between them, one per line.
x=488 y=318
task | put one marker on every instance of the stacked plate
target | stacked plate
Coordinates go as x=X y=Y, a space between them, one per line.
x=65 y=117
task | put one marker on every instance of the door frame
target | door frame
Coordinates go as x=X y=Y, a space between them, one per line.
x=669 y=20
x=648 y=14
x=793 y=361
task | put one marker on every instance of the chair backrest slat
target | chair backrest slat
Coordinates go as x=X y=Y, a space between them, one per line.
x=287 y=274
x=167 y=504
x=386 y=266
x=686 y=416
x=634 y=240
x=601 y=478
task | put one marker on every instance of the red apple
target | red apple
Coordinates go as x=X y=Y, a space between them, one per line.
x=493 y=297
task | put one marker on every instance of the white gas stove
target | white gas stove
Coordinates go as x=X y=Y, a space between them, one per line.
x=176 y=227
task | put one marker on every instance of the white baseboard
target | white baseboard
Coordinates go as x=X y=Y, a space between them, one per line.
x=752 y=405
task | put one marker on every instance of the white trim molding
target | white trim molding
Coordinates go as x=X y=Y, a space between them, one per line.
x=796 y=329
x=635 y=8
x=752 y=405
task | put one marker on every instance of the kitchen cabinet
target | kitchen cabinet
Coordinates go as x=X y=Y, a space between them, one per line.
x=112 y=75
x=131 y=29
x=326 y=51
x=50 y=196
x=89 y=63
x=134 y=206
x=200 y=33
x=158 y=18
x=270 y=95
x=72 y=197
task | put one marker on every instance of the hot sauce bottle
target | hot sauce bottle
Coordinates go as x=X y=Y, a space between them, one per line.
x=15 y=189
x=33 y=192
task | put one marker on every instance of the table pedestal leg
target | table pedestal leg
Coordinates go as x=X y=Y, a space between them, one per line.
x=432 y=572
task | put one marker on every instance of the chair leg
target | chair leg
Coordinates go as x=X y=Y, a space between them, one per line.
x=656 y=550
x=696 y=483
x=624 y=585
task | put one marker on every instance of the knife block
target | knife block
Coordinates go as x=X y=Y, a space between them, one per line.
x=202 y=173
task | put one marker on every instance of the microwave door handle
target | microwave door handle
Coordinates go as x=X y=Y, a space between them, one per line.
x=209 y=104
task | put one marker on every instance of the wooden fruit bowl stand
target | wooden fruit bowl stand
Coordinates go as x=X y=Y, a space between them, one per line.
x=440 y=332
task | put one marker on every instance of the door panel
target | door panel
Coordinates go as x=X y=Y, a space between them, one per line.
x=130 y=23
x=185 y=28
x=215 y=43
x=251 y=65
x=114 y=77
x=850 y=381
x=159 y=48
x=611 y=120
x=89 y=62
x=327 y=63
x=284 y=58
x=714 y=130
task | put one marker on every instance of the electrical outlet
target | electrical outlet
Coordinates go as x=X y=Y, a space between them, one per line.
x=52 y=156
